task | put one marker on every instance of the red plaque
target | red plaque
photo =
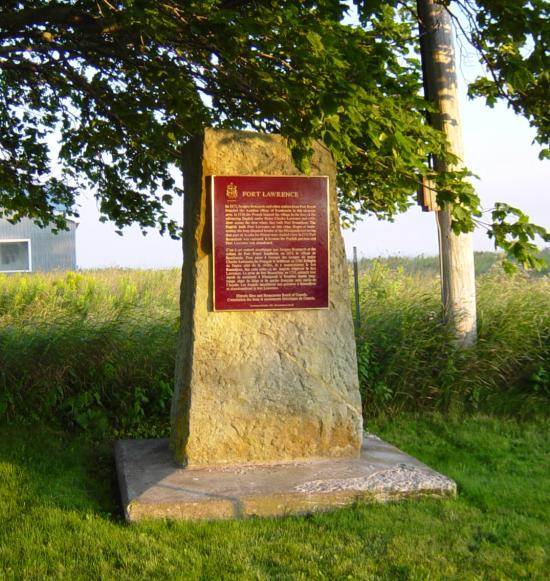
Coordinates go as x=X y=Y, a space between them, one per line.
x=271 y=242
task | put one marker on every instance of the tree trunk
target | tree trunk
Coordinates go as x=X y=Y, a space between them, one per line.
x=458 y=290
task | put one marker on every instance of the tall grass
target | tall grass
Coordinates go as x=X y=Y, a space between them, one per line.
x=96 y=350
x=484 y=261
x=408 y=359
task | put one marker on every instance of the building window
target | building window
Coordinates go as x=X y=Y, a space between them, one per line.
x=15 y=256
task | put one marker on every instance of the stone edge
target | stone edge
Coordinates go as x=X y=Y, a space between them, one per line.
x=274 y=504
x=121 y=478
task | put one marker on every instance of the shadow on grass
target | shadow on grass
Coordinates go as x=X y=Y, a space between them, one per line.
x=44 y=467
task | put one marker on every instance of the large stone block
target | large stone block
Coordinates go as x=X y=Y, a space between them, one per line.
x=260 y=386
x=152 y=485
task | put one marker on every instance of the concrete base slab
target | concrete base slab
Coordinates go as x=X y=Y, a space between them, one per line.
x=153 y=486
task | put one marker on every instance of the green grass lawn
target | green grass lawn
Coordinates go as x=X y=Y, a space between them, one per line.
x=59 y=516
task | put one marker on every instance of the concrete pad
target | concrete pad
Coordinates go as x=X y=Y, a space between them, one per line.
x=152 y=485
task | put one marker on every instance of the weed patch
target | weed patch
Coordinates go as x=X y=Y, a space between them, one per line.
x=408 y=360
x=96 y=350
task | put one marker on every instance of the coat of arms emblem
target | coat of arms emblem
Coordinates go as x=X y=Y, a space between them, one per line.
x=231 y=191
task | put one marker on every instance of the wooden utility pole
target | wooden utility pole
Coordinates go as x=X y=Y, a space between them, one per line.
x=458 y=291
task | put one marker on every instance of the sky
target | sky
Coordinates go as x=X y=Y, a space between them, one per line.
x=498 y=149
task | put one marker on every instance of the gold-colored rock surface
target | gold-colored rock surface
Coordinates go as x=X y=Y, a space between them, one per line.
x=260 y=386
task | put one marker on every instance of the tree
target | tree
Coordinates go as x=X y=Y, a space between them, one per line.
x=122 y=85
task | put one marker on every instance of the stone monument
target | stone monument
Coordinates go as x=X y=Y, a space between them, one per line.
x=266 y=415
x=260 y=386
